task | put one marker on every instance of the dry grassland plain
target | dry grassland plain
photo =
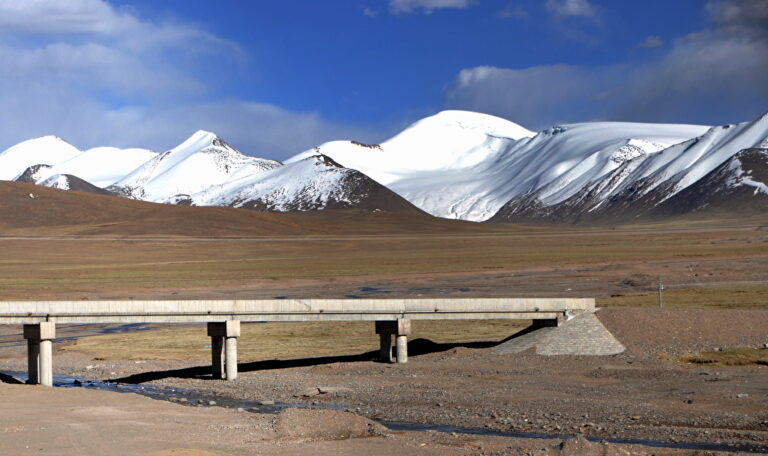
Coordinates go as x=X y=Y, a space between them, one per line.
x=723 y=264
x=68 y=245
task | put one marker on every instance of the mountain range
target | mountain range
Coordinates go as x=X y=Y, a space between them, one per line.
x=455 y=164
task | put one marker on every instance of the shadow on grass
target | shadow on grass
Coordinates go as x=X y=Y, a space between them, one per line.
x=5 y=378
x=416 y=347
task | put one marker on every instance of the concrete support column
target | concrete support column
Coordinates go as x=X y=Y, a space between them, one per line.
x=217 y=356
x=40 y=352
x=401 y=328
x=33 y=362
x=224 y=348
x=385 y=348
x=46 y=362
x=402 y=349
x=230 y=344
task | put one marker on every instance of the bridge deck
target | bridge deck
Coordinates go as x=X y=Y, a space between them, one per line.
x=30 y=312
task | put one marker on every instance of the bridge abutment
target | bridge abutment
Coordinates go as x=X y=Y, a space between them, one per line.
x=401 y=329
x=224 y=348
x=40 y=352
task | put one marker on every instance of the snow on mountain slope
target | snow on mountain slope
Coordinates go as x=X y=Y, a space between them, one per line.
x=59 y=181
x=466 y=165
x=690 y=161
x=643 y=183
x=101 y=166
x=739 y=185
x=203 y=160
x=47 y=150
x=313 y=183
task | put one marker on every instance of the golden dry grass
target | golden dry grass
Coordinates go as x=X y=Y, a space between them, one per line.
x=722 y=297
x=36 y=269
x=261 y=341
x=741 y=356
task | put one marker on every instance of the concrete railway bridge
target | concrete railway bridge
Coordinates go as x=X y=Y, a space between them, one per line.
x=392 y=318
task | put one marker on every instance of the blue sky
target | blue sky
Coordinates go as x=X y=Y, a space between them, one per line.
x=277 y=77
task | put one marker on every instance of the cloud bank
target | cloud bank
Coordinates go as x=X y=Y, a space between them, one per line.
x=97 y=75
x=718 y=73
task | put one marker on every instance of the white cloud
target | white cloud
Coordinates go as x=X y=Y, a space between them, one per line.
x=716 y=75
x=426 y=6
x=535 y=97
x=255 y=128
x=571 y=8
x=71 y=16
x=96 y=75
x=513 y=11
x=650 y=42
x=88 y=43
x=738 y=12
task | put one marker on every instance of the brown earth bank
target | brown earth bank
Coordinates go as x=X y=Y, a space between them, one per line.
x=42 y=421
x=644 y=393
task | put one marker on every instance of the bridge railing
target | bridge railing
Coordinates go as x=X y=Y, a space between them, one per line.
x=158 y=311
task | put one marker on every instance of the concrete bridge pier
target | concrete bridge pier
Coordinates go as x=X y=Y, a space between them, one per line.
x=401 y=329
x=40 y=352
x=224 y=348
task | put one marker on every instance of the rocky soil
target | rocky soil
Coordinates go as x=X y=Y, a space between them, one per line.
x=644 y=393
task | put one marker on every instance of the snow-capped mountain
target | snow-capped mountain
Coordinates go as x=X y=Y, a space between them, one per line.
x=47 y=150
x=38 y=159
x=466 y=165
x=202 y=161
x=313 y=183
x=101 y=166
x=454 y=164
x=638 y=186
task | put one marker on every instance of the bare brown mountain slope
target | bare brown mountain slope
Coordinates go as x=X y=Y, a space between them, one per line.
x=30 y=209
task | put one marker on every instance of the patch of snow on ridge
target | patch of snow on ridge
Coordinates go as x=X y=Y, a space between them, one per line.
x=635 y=148
x=56 y=181
x=740 y=177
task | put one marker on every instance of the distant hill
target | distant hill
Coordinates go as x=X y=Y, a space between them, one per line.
x=28 y=209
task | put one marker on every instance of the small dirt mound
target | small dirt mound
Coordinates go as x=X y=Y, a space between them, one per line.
x=314 y=424
x=579 y=446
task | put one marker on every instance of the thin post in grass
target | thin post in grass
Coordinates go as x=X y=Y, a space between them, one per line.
x=661 y=294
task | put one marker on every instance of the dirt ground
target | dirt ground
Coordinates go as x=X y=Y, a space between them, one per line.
x=644 y=393
x=38 y=420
